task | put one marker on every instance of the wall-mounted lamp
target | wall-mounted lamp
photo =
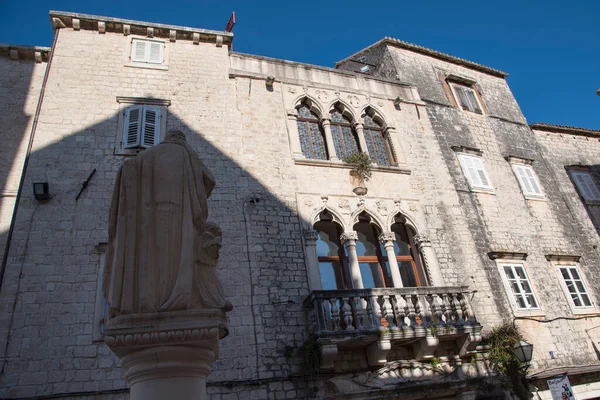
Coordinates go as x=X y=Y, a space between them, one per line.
x=523 y=351
x=398 y=101
x=41 y=191
x=270 y=80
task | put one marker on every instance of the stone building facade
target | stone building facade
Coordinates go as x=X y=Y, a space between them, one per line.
x=336 y=295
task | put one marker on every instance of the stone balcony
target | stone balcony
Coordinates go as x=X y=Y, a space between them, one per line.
x=378 y=319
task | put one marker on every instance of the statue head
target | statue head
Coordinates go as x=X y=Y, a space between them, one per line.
x=175 y=136
x=209 y=244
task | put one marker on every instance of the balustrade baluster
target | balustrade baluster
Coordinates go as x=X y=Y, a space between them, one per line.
x=387 y=312
x=335 y=315
x=446 y=309
x=411 y=311
x=458 y=307
x=359 y=313
x=466 y=310
x=376 y=311
x=399 y=311
x=347 y=314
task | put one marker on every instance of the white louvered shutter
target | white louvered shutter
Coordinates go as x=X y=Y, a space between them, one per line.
x=527 y=180
x=138 y=50
x=586 y=186
x=151 y=127
x=155 y=52
x=474 y=172
x=462 y=97
x=132 y=127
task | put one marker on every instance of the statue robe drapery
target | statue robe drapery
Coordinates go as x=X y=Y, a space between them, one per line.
x=159 y=207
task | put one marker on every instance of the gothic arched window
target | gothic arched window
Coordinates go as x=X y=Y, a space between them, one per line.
x=372 y=260
x=407 y=255
x=377 y=144
x=333 y=260
x=312 y=137
x=343 y=134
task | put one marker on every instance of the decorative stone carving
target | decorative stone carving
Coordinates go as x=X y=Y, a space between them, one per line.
x=354 y=101
x=344 y=206
x=172 y=35
x=322 y=95
x=311 y=235
x=161 y=252
x=291 y=89
x=126 y=29
x=149 y=31
x=346 y=236
x=101 y=27
x=381 y=207
x=308 y=202
x=387 y=237
x=324 y=199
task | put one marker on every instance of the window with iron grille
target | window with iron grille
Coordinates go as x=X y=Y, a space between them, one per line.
x=312 y=137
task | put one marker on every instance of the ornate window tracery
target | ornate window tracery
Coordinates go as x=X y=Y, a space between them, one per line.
x=344 y=136
x=377 y=144
x=331 y=254
x=312 y=137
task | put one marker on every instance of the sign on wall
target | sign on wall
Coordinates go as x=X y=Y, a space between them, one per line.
x=560 y=388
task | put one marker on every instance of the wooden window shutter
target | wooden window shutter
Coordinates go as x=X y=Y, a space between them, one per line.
x=151 y=127
x=586 y=186
x=155 y=52
x=138 y=50
x=132 y=127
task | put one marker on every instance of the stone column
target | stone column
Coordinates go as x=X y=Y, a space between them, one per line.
x=388 y=242
x=312 y=260
x=349 y=240
x=166 y=355
x=292 y=125
x=360 y=132
x=430 y=259
x=326 y=123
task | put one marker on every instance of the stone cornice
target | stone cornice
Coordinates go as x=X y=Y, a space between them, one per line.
x=24 y=53
x=77 y=21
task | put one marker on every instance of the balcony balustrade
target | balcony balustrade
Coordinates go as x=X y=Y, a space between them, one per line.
x=381 y=317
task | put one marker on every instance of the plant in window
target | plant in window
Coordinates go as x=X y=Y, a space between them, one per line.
x=361 y=170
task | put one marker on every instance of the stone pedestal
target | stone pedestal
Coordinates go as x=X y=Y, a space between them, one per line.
x=167 y=355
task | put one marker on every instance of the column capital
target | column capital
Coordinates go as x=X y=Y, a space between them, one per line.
x=325 y=121
x=311 y=236
x=358 y=125
x=422 y=241
x=347 y=236
x=387 y=238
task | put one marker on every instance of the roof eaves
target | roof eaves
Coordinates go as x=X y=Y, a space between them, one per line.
x=573 y=130
x=23 y=52
x=433 y=53
x=87 y=21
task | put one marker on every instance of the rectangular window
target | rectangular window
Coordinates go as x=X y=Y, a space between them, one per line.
x=574 y=286
x=520 y=289
x=141 y=126
x=585 y=185
x=527 y=179
x=474 y=172
x=466 y=98
x=147 y=51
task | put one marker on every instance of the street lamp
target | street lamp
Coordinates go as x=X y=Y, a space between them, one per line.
x=523 y=351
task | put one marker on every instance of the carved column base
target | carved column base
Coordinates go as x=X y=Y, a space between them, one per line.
x=167 y=355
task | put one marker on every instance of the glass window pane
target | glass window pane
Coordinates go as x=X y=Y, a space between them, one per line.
x=531 y=301
x=328 y=242
x=571 y=287
x=521 y=301
x=515 y=287
x=407 y=274
x=580 y=286
x=565 y=273
x=586 y=300
x=509 y=273
x=367 y=243
x=401 y=246
x=520 y=272
x=574 y=273
x=328 y=276
x=526 y=287
x=367 y=275
x=576 y=300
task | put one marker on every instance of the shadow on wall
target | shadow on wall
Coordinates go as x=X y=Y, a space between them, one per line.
x=16 y=116
x=48 y=297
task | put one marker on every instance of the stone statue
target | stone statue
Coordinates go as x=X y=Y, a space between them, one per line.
x=161 y=252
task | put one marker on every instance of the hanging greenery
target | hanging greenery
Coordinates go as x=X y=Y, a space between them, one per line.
x=501 y=340
x=361 y=164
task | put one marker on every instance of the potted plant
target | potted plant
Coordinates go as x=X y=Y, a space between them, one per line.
x=361 y=171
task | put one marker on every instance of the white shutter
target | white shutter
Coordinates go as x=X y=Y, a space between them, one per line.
x=474 y=172
x=586 y=186
x=527 y=180
x=132 y=127
x=138 y=50
x=462 y=97
x=155 y=52
x=151 y=127
x=474 y=104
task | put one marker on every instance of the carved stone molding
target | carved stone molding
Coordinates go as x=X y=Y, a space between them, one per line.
x=388 y=237
x=311 y=236
x=346 y=236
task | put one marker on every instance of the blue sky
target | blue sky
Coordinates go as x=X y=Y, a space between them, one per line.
x=551 y=49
